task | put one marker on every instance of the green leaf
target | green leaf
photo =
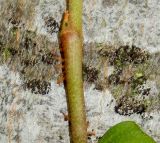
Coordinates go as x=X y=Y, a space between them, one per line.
x=126 y=132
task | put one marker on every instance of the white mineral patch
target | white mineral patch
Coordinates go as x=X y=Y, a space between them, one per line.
x=37 y=118
x=111 y=21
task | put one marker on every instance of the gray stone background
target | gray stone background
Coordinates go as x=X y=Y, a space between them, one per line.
x=112 y=21
x=26 y=117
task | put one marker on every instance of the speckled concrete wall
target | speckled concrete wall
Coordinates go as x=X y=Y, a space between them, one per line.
x=112 y=21
x=26 y=117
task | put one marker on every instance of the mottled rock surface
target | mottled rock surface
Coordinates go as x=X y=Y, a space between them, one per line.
x=31 y=103
x=111 y=21
x=32 y=118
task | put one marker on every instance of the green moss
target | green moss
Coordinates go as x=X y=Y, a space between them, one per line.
x=6 y=54
x=13 y=31
x=117 y=90
x=130 y=64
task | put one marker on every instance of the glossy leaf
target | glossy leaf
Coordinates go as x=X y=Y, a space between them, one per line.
x=126 y=132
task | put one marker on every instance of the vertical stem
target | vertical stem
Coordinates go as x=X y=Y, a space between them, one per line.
x=71 y=40
x=75 y=10
x=74 y=89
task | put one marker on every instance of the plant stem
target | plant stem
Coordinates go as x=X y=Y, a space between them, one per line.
x=75 y=11
x=71 y=39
